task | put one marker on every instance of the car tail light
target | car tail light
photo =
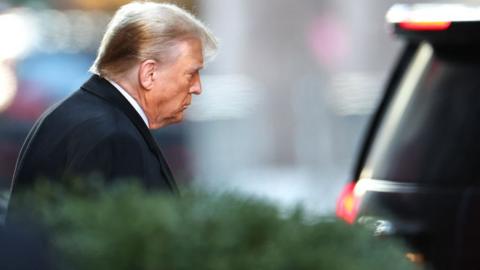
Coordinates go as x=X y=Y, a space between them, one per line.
x=348 y=204
x=425 y=26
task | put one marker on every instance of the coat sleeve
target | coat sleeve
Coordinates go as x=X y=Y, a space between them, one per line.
x=115 y=157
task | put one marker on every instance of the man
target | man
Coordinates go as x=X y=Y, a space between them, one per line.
x=145 y=74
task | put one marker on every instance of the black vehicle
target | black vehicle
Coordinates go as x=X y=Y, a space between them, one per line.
x=418 y=172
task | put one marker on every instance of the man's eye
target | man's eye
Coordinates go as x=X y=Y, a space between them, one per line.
x=192 y=74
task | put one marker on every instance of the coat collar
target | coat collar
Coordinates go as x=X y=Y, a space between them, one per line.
x=100 y=87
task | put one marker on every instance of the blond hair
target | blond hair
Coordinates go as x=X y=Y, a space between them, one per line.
x=147 y=30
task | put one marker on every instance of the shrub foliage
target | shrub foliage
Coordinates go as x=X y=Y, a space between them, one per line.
x=127 y=228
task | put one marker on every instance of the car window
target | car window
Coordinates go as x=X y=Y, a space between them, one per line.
x=429 y=132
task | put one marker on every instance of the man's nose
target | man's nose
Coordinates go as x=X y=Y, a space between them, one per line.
x=196 y=88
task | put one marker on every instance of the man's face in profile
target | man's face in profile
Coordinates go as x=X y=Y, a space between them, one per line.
x=172 y=91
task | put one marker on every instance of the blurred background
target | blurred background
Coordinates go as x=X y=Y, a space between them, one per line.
x=285 y=103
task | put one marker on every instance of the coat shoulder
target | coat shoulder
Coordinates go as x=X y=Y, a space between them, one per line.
x=84 y=113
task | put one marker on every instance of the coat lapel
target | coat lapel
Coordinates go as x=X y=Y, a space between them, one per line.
x=100 y=87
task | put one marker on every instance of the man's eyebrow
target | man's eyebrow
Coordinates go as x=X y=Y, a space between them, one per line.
x=197 y=67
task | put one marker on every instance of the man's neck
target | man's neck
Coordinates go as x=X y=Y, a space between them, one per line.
x=132 y=96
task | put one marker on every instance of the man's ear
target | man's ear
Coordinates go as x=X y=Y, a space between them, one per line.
x=147 y=73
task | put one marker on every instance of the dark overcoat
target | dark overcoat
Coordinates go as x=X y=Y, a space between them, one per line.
x=93 y=131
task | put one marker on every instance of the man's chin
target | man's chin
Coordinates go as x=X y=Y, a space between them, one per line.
x=176 y=119
x=168 y=121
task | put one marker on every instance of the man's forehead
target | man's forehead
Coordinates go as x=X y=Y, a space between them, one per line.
x=196 y=60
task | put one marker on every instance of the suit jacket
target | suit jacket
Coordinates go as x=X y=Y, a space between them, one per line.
x=95 y=130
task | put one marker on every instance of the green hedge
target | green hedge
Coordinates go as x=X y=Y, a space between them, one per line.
x=127 y=228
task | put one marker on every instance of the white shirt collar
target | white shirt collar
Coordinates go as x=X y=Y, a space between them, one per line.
x=131 y=100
